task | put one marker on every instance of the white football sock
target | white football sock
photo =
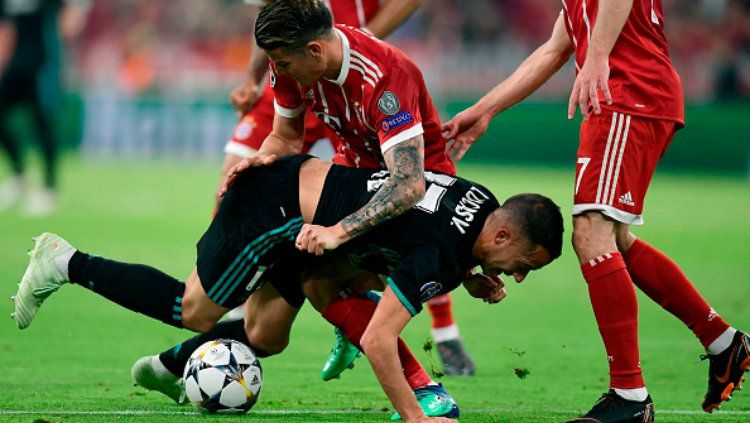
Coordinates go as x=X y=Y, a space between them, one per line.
x=447 y=333
x=159 y=367
x=722 y=342
x=637 y=394
x=62 y=261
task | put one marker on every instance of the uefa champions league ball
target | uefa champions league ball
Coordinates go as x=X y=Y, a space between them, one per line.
x=223 y=376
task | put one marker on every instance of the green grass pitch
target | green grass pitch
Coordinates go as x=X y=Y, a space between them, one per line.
x=72 y=364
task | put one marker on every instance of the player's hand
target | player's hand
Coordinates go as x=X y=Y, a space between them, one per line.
x=257 y=160
x=243 y=98
x=315 y=239
x=594 y=76
x=489 y=288
x=465 y=128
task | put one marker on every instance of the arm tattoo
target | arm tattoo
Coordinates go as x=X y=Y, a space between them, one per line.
x=403 y=189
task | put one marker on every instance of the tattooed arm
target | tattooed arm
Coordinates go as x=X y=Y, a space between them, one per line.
x=400 y=192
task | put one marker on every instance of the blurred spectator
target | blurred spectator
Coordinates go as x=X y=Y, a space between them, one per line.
x=199 y=48
x=30 y=73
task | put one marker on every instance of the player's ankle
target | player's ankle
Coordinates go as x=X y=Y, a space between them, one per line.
x=722 y=342
x=632 y=394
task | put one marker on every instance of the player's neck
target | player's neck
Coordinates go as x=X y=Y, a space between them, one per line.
x=485 y=240
x=335 y=57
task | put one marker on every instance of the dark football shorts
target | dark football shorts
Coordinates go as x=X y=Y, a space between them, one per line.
x=251 y=238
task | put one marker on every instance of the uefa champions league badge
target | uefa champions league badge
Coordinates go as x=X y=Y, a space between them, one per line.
x=429 y=290
x=388 y=103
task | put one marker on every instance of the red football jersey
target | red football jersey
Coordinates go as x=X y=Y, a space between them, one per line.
x=642 y=79
x=354 y=13
x=378 y=100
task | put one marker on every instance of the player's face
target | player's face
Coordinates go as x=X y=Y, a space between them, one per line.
x=300 y=64
x=515 y=258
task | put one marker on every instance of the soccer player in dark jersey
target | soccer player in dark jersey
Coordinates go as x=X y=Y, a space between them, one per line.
x=30 y=33
x=631 y=100
x=254 y=102
x=426 y=251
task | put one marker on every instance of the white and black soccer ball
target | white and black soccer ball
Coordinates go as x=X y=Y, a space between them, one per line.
x=223 y=376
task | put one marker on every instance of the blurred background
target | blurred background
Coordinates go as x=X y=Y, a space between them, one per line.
x=150 y=79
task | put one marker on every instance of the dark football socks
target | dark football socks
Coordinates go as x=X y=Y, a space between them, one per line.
x=616 y=309
x=136 y=287
x=175 y=358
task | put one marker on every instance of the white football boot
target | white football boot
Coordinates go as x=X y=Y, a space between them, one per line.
x=44 y=275
x=149 y=372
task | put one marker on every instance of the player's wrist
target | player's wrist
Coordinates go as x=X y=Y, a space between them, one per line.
x=341 y=234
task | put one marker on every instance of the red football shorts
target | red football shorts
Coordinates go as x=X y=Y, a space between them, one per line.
x=617 y=157
x=255 y=126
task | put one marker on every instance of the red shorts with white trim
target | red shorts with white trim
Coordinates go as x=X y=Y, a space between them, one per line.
x=254 y=127
x=617 y=157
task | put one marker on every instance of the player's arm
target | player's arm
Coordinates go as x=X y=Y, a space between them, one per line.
x=286 y=138
x=244 y=97
x=594 y=74
x=391 y=15
x=380 y=345
x=467 y=126
x=7 y=41
x=399 y=193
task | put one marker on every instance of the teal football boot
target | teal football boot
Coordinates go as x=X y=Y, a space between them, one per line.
x=342 y=357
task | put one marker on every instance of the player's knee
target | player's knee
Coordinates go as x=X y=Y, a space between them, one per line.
x=625 y=238
x=593 y=235
x=369 y=341
x=270 y=342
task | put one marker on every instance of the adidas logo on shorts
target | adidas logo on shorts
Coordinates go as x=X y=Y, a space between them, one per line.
x=627 y=199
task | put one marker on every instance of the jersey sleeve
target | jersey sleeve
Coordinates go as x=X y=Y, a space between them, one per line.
x=395 y=108
x=419 y=276
x=288 y=101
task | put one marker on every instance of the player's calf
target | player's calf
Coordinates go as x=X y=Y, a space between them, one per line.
x=199 y=313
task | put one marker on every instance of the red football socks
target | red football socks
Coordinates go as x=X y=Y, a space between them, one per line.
x=441 y=311
x=616 y=309
x=665 y=283
x=352 y=315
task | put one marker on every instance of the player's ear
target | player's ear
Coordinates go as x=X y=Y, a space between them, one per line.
x=315 y=49
x=502 y=235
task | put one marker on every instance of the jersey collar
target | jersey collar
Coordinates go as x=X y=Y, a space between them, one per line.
x=345 y=60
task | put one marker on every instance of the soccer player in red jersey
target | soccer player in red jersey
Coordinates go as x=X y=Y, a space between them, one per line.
x=374 y=99
x=254 y=103
x=631 y=100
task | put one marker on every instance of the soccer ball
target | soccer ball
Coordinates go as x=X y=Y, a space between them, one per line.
x=223 y=376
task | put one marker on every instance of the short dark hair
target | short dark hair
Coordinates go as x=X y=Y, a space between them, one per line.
x=539 y=219
x=291 y=24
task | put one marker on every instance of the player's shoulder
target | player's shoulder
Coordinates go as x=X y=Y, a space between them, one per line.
x=371 y=53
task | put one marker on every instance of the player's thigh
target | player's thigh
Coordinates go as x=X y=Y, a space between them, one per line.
x=617 y=156
x=324 y=278
x=199 y=313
